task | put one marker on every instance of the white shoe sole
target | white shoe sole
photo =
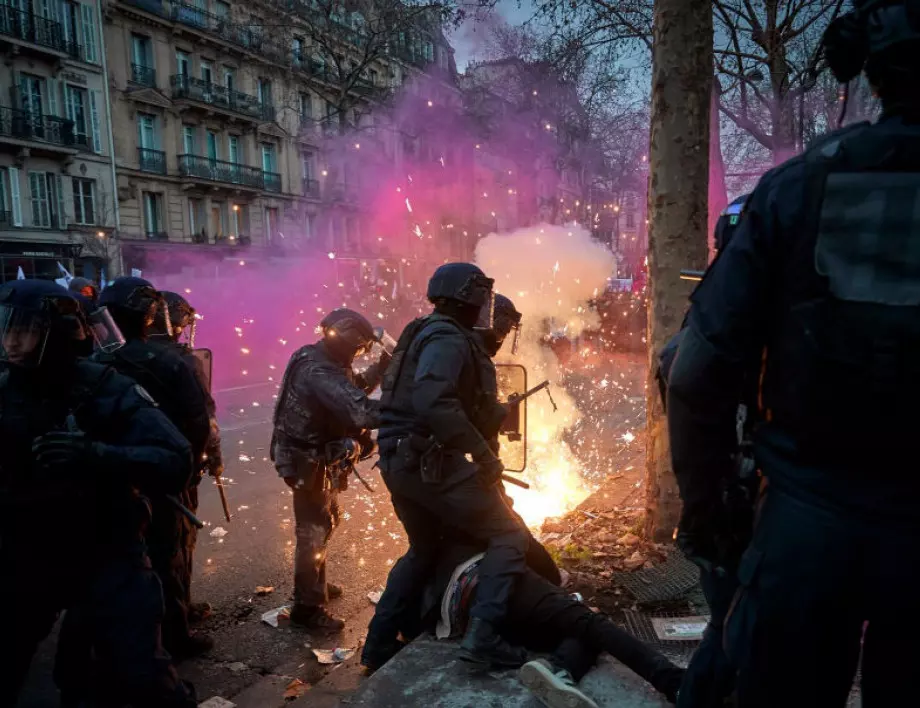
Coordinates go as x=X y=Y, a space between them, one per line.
x=550 y=690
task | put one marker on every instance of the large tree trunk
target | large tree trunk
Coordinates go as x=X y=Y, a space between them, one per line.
x=718 y=194
x=682 y=74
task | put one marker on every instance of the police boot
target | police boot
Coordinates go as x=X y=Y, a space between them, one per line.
x=316 y=619
x=198 y=612
x=483 y=645
x=555 y=688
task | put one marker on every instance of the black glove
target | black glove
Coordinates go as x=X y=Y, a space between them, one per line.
x=490 y=470
x=61 y=448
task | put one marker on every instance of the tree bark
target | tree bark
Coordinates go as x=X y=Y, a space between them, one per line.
x=682 y=73
x=718 y=193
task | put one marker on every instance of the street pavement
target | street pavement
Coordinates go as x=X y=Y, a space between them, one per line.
x=257 y=550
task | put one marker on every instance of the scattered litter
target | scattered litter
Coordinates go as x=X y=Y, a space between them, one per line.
x=295 y=689
x=374 y=596
x=276 y=616
x=217 y=702
x=237 y=666
x=218 y=532
x=264 y=589
x=680 y=629
x=333 y=656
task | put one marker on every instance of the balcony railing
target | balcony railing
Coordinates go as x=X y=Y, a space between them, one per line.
x=29 y=27
x=156 y=235
x=310 y=187
x=144 y=75
x=246 y=36
x=151 y=160
x=221 y=171
x=25 y=125
x=193 y=89
x=154 y=6
x=272 y=181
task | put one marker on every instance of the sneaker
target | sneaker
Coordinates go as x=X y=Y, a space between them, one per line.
x=553 y=687
x=333 y=591
x=316 y=619
x=484 y=646
x=198 y=612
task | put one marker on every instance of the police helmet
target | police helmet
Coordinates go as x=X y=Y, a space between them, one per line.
x=175 y=317
x=870 y=29
x=464 y=283
x=84 y=287
x=505 y=319
x=348 y=333
x=132 y=296
x=728 y=221
x=39 y=320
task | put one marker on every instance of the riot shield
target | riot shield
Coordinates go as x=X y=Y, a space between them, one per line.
x=512 y=379
x=205 y=361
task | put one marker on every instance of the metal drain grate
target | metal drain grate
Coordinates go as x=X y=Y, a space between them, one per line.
x=671 y=580
x=640 y=625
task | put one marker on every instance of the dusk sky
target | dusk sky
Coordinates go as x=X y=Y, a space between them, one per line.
x=468 y=38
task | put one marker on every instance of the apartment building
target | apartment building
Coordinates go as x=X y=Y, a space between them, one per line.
x=57 y=201
x=231 y=122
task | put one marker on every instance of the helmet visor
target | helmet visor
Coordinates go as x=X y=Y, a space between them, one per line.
x=486 y=318
x=385 y=340
x=23 y=336
x=108 y=336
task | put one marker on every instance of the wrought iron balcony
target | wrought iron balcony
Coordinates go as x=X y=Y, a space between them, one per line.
x=29 y=27
x=272 y=181
x=143 y=75
x=154 y=6
x=157 y=235
x=245 y=36
x=310 y=187
x=25 y=125
x=192 y=89
x=151 y=160
x=220 y=171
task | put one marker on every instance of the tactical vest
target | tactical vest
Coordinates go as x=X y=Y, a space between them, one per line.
x=842 y=373
x=397 y=382
x=283 y=408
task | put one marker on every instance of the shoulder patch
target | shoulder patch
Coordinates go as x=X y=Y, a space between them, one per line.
x=142 y=392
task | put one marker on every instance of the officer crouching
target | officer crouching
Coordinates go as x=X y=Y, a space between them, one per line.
x=322 y=425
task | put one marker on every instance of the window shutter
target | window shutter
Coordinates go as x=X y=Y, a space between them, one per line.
x=89 y=33
x=54 y=92
x=13 y=173
x=59 y=188
x=94 y=117
x=64 y=20
x=35 y=193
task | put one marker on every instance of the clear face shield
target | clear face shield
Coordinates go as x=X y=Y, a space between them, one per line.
x=384 y=340
x=106 y=333
x=23 y=336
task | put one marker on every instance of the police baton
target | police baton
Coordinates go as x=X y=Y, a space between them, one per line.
x=185 y=511
x=515 y=482
x=223 y=497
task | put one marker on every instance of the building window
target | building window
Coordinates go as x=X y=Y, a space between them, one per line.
x=76 y=111
x=271 y=224
x=188 y=139
x=142 y=61
x=84 y=210
x=218 y=222
x=265 y=92
x=233 y=149
x=88 y=22
x=297 y=51
x=307 y=163
x=197 y=227
x=306 y=108
x=630 y=220
x=229 y=78
x=269 y=160
x=46 y=198
x=31 y=89
x=182 y=64
x=153 y=214
x=9 y=190
x=146 y=131
x=222 y=10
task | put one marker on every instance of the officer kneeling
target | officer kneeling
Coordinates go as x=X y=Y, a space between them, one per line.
x=322 y=425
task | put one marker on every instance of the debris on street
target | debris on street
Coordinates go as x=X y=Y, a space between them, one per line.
x=275 y=617
x=333 y=656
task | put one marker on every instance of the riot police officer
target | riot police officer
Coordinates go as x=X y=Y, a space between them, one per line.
x=506 y=319
x=85 y=287
x=133 y=303
x=440 y=404
x=79 y=443
x=819 y=294
x=174 y=327
x=323 y=418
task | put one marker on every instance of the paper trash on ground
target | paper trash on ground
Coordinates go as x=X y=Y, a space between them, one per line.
x=333 y=656
x=279 y=614
x=374 y=596
x=217 y=702
x=680 y=629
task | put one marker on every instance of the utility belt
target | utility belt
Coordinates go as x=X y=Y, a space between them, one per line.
x=418 y=451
